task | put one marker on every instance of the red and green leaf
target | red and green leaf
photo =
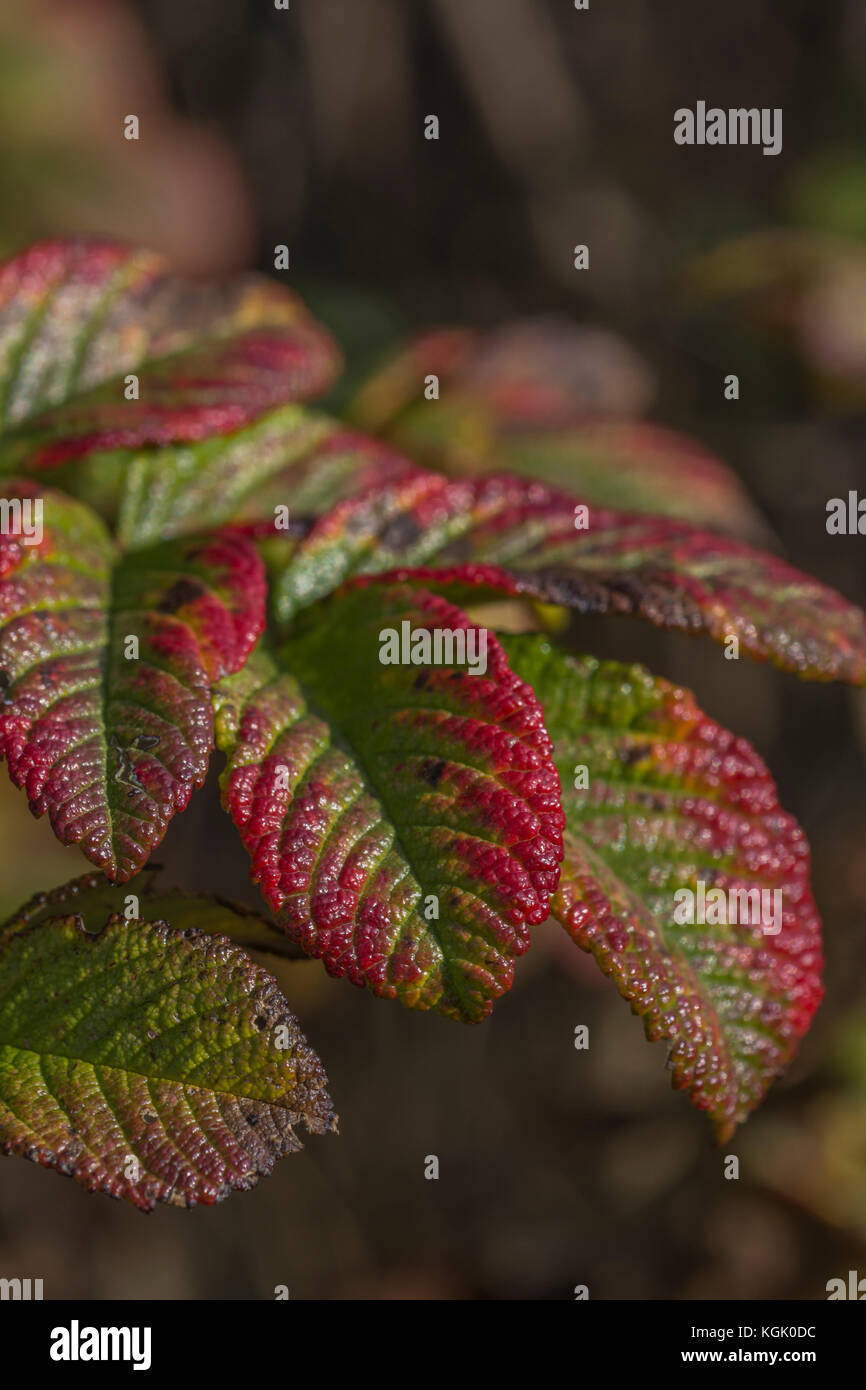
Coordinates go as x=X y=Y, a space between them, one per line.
x=149 y=1063
x=538 y=400
x=636 y=466
x=77 y=317
x=674 y=800
x=543 y=373
x=290 y=458
x=111 y=745
x=403 y=821
x=514 y=537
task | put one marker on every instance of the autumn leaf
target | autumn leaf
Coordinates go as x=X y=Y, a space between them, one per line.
x=149 y=1063
x=291 y=463
x=107 y=662
x=660 y=799
x=550 y=400
x=78 y=319
x=403 y=821
x=477 y=538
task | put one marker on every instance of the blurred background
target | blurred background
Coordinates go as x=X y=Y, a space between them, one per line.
x=305 y=127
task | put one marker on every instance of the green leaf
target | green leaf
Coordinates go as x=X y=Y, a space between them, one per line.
x=509 y=536
x=78 y=317
x=148 y=1063
x=659 y=798
x=291 y=459
x=403 y=821
x=108 y=738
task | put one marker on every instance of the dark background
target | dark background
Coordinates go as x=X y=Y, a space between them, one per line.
x=306 y=128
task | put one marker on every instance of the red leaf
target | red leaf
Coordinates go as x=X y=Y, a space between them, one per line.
x=403 y=821
x=108 y=742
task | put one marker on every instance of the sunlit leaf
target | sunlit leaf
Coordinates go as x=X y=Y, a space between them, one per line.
x=106 y=665
x=403 y=821
x=77 y=318
x=511 y=536
x=659 y=798
x=148 y=1063
x=291 y=460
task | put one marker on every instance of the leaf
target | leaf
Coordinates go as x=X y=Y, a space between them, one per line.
x=641 y=467
x=503 y=535
x=77 y=317
x=403 y=820
x=110 y=746
x=290 y=458
x=542 y=372
x=537 y=399
x=151 y=1064
x=95 y=898
x=674 y=800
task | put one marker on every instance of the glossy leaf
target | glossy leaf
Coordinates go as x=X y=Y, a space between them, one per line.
x=511 y=536
x=78 y=317
x=659 y=798
x=107 y=738
x=148 y=1063
x=403 y=821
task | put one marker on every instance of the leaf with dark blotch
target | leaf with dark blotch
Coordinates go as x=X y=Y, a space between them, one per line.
x=403 y=821
x=667 y=800
x=504 y=535
x=148 y=1063
x=78 y=317
x=107 y=738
